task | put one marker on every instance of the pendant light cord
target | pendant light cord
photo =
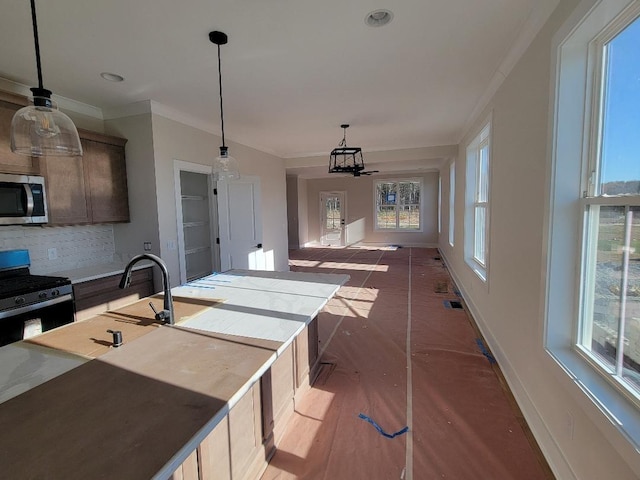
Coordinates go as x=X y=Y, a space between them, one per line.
x=220 y=83
x=37 y=43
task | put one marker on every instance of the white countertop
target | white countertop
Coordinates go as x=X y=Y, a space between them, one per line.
x=264 y=305
x=272 y=306
x=85 y=274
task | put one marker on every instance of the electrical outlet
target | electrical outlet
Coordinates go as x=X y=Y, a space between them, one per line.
x=52 y=253
x=147 y=246
x=171 y=245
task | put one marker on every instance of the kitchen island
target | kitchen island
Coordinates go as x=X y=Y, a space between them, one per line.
x=206 y=398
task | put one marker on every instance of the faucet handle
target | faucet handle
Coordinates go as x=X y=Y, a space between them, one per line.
x=161 y=315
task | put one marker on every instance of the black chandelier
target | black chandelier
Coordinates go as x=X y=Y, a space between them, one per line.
x=344 y=159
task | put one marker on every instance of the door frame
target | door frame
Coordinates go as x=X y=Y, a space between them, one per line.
x=343 y=212
x=178 y=166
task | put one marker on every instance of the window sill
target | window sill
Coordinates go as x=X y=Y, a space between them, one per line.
x=607 y=407
x=481 y=272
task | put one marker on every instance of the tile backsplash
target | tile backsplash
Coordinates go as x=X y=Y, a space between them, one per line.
x=75 y=246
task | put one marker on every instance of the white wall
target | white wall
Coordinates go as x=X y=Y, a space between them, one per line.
x=360 y=210
x=175 y=141
x=508 y=308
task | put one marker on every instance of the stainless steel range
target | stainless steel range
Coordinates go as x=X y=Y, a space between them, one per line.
x=30 y=304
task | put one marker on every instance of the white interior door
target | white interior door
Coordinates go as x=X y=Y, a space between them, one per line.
x=332 y=218
x=240 y=218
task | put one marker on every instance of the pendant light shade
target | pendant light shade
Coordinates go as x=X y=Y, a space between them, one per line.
x=40 y=129
x=225 y=167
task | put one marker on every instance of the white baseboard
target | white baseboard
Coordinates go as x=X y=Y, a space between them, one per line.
x=550 y=449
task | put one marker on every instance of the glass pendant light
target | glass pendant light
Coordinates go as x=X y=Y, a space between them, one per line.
x=40 y=129
x=225 y=167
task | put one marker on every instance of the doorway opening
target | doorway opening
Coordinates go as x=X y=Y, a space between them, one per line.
x=197 y=218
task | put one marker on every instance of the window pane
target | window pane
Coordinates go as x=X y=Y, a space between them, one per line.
x=483 y=174
x=333 y=213
x=631 y=359
x=620 y=165
x=409 y=217
x=452 y=196
x=386 y=217
x=409 y=193
x=386 y=193
x=603 y=279
x=479 y=233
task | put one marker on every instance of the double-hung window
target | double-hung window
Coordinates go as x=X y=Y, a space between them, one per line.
x=609 y=330
x=592 y=287
x=452 y=201
x=477 y=208
x=397 y=205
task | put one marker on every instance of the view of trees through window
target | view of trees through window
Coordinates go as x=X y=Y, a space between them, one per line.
x=610 y=326
x=398 y=205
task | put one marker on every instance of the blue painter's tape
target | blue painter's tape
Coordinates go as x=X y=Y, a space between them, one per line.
x=382 y=432
x=14 y=258
x=484 y=351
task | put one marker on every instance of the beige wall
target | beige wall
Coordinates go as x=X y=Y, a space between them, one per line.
x=143 y=210
x=508 y=308
x=360 y=209
x=175 y=141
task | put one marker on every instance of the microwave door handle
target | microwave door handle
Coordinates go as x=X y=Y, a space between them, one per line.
x=27 y=190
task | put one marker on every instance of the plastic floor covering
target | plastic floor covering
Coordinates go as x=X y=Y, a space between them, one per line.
x=407 y=390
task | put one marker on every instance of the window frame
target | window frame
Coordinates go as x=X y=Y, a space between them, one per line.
x=575 y=84
x=477 y=196
x=452 y=202
x=420 y=205
x=590 y=204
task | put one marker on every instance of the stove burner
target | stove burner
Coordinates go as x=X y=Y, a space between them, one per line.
x=23 y=284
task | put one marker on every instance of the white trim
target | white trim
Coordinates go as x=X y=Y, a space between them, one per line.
x=452 y=202
x=538 y=16
x=64 y=103
x=421 y=205
x=536 y=422
x=482 y=138
x=178 y=166
x=343 y=212
x=570 y=119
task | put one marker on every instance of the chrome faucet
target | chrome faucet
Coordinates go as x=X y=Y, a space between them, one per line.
x=166 y=315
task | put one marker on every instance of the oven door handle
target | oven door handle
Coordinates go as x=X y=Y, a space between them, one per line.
x=30 y=203
x=32 y=307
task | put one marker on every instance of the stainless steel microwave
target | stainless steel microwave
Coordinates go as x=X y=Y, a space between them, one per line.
x=22 y=200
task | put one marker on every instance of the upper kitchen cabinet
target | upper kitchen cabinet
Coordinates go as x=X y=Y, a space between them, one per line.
x=91 y=188
x=11 y=162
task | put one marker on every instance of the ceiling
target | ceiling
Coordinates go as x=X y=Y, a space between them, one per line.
x=293 y=70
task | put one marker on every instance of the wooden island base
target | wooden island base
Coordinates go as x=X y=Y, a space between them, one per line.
x=242 y=444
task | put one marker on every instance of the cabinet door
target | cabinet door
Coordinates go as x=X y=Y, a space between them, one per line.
x=66 y=182
x=11 y=162
x=107 y=171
